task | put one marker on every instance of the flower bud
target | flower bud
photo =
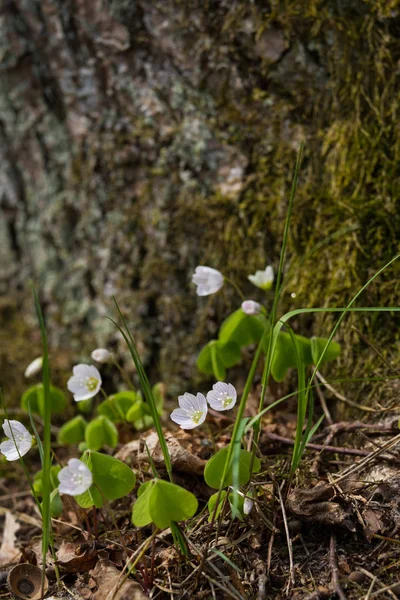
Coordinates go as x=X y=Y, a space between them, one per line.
x=250 y=307
x=101 y=355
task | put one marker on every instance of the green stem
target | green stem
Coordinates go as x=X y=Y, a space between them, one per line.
x=236 y=287
x=123 y=375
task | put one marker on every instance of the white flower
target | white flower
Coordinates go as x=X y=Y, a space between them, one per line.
x=101 y=355
x=208 y=280
x=192 y=411
x=85 y=382
x=20 y=440
x=248 y=506
x=247 y=502
x=222 y=397
x=34 y=368
x=263 y=279
x=75 y=479
x=249 y=307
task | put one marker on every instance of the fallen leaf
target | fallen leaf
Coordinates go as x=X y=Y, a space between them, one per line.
x=317 y=505
x=74 y=557
x=8 y=551
x=181 y=458
x=111 y=585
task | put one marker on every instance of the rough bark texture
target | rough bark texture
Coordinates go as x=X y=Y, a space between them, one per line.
x=141 y=138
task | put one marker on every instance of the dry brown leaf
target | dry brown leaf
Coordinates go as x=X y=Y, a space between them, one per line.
x=317 y=505
x=74 y=557
x=8 y=551
x=108 y=580
x=181 y=458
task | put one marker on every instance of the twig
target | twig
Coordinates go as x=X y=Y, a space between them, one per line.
x=289 y=541
x=363 y=462
x=334 y=568
x=374 y=580
x=346 y=400
x=377 y=352
x=324 y=406
x=336 y=449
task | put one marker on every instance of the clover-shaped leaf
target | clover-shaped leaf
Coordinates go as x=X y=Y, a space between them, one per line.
x=117 y=406
x=215 y=357
x=34 y=397
x=73 y=431
x=215 y=467
x=318 y=346
x=242 y=329
x=101 y=432
x=112 y=479
x=161 y=502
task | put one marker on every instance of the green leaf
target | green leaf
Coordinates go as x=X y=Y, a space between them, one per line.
x=35 y=397
x=215 y=467
x=112 y=479
x=141 y=509
x=212 y=503
x=116 y=406
x=161 y=502
x=317 y=347
x=138 y=411
x=229 y=353
x=242 y=329
x=85 y=406
x=159 y=396
x=101 y=432
x=204 y=363
x=217 y=364
x=215 y=357
x=73 y=431
x=56 y=505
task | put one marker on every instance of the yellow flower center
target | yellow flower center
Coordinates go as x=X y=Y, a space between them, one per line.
x=196 y=416
x=91 y=383
x=226 y=400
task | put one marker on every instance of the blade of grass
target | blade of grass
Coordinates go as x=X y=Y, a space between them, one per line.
x=146 y=387
x=46 y=439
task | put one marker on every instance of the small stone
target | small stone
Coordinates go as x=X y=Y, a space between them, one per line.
x=357 y=577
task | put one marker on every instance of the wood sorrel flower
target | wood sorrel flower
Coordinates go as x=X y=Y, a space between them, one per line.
x=222 y=396
x=34 y=367
x=192 y=411
x=249 y=307
x=207 y=280
x=20 y=440
x=101 y=355
x=85 y=382
x=75 y=479
x=263 y=279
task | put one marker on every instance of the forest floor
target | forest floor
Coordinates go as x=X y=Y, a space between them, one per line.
x=331 y=532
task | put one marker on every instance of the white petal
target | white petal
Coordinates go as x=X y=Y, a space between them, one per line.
x=34 y=367
x=247 y=506
x=17 y=427
x=75 y=479
x=9 y=450
x=208 y=280
x=80 y=370
x=182 y=419
x=201 y=403
x=250 y=307
x=75 y=384
x=187 y=402
x=214 y=401
x=269 y=273
x=84 y=395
